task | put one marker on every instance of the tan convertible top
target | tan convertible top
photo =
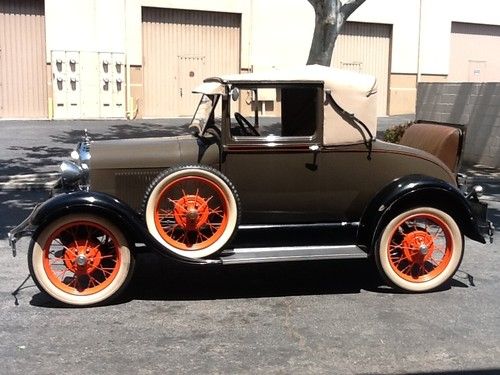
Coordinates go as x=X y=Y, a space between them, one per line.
x=353 y=92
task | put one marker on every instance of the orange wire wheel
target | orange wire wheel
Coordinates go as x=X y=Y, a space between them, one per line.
x=421 y=249
x=192 y=210
x=80 y=259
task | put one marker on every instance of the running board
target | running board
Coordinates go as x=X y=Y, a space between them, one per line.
x=290 y=253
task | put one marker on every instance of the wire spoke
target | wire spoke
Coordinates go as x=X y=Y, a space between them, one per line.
x=106 y=271
x=178 y=205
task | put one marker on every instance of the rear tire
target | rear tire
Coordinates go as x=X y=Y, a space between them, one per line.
x=420 y=249
x=192 y=211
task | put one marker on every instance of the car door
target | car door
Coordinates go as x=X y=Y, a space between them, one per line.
x=275 y=173
x=277 y=181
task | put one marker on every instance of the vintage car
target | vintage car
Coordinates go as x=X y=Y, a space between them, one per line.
x=309 y=181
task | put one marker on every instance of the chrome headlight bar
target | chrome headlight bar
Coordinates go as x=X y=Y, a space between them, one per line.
x=75 y=174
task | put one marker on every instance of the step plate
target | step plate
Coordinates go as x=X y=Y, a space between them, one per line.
x=290 y=253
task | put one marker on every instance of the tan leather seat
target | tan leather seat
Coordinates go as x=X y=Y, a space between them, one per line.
x=442 y=141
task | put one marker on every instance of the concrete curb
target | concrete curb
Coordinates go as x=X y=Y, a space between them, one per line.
x=43 y=181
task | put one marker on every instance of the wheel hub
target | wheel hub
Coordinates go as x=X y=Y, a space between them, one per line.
x=82 y=259
x=423 y=249
x=191 y=212
x=418 y=246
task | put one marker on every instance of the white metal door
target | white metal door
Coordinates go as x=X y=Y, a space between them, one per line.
x=66 y=84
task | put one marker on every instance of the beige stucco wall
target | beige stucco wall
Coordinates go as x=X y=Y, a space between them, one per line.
x=274 y=33
x=85 y=25
x=402 y=93
x=278 y=33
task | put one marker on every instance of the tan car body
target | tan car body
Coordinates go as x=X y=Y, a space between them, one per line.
x=330 y=176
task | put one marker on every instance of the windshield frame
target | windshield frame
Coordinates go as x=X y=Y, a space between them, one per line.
x=205 y=120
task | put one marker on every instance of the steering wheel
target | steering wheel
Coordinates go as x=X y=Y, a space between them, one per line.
x=245 y=125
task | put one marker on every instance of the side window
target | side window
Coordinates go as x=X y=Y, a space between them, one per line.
x=285 y=111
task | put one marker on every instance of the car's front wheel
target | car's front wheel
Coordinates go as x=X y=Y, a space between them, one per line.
x=81 y=259
x=420 y=249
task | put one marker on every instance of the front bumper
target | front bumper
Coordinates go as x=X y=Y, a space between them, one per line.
x=25 y=228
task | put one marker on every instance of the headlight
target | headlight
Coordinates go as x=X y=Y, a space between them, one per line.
x=75 y=174
x=71 y=173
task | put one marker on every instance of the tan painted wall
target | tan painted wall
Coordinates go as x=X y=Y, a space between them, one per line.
x=433 y=78
x=402 y=94
x=269 y=36
x=365 y=47
x=23 y=74
x=403 y=91
x=181 y=48
x=474 y=55
x=136 y=107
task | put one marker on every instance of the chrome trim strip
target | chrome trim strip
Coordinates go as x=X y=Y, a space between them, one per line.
x=292 y=226
x=290 y=253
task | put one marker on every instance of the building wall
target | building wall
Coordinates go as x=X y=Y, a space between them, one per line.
x=275 y=34
x=85 y=25
x=23 y=74
x=474 y=53
x=181 y=48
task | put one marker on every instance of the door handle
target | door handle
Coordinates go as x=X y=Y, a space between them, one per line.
x=181 y=91
x=314 y=165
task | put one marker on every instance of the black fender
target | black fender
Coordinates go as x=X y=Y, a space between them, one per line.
x=108 y=207
x=413 y=191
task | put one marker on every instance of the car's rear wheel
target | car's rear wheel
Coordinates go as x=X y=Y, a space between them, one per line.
x=420 y=249
x=81 y=259
x=193 y=211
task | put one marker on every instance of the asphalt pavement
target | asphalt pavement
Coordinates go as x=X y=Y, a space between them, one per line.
x=323 y=317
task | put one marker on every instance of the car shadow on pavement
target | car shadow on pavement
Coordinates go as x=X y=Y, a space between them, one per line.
x=157 y=278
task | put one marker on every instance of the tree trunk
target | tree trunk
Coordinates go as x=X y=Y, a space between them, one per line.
x=330 y=17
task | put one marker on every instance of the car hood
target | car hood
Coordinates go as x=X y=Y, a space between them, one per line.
x=144 y=152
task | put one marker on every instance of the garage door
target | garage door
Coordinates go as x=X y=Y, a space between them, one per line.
x=365 y=47
x=23 y=74
x=474 y=53
x=180 y=49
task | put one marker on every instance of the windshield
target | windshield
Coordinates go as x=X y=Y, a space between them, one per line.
x=204 y=115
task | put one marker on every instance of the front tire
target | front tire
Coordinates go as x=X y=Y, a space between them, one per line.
x=420 y=249
x=81 y=260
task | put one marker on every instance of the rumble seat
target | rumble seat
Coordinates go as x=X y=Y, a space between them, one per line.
x=440 y=140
